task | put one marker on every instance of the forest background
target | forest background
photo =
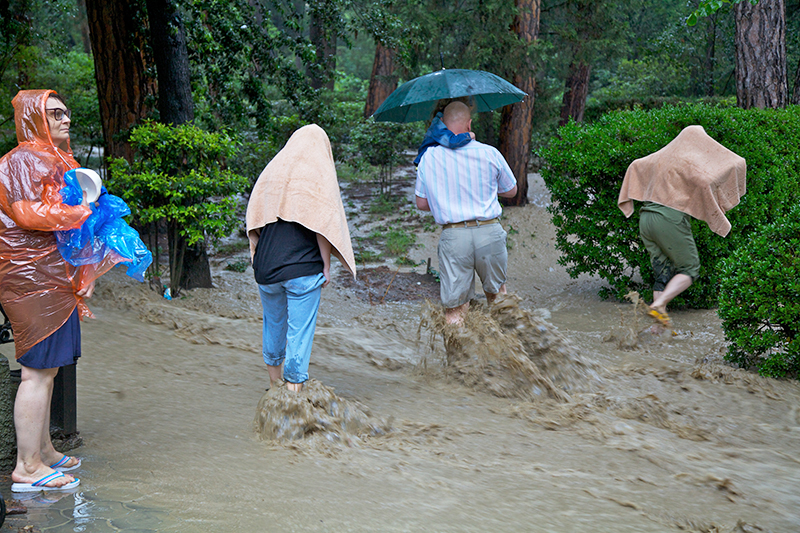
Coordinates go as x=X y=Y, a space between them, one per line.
x=239 y=76
x=181 y=103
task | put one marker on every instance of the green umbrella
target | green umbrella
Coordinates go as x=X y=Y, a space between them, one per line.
x=416 y=99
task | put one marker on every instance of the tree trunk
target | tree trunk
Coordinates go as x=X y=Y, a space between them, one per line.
x=123 y=85
x=168 y=40
x=323 y=37
x=575 y=92
x=196 y=271
x=761 y=54
x=382 y=81
x=517 y=120
x=711 y=52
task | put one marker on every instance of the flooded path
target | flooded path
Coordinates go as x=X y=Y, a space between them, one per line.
x=668 y=438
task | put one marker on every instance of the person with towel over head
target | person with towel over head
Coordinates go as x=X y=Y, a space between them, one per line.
x=692 y=176
x=295 y=220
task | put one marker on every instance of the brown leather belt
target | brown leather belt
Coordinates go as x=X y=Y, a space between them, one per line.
x=470 y=223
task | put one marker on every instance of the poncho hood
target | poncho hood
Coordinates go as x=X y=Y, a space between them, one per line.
x=693 y=174
x=299 y=185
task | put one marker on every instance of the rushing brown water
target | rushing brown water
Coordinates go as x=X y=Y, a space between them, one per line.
x=552 y=412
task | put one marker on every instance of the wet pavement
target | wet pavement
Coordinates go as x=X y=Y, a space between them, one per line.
x=86 y=511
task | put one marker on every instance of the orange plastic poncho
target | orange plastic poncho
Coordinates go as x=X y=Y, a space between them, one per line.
x=37 y=287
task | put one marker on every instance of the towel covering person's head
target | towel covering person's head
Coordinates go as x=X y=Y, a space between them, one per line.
x=693 y=174
x=299 y=185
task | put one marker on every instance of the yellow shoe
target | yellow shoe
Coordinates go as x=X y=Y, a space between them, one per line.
x=661 y=318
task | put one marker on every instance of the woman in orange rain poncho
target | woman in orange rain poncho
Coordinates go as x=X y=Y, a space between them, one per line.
x=41 y=293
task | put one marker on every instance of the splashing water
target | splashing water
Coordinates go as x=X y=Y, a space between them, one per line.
x=510 y=352
x=283 y=415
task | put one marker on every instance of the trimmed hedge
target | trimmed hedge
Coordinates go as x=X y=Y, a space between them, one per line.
x=759 y=300
x=584 y=167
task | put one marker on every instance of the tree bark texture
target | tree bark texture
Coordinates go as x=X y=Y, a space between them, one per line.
x=382 y=81
x=711 y=54
x=761 y=79
x=176 y=107
x=124 y=88
x=517 y=119
x=168 y=40
x=576 y=90
x=324 y=40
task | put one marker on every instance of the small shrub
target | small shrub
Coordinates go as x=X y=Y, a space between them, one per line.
x=384 y=204
x=367 y=256
x=406 y=261
x=759 y=301
x=382 y=144
x=238 y=266
x=179 y=175
x=398 y=242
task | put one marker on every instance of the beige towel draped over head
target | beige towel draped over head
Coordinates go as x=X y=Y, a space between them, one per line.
x=300 y=185
x=693 y=174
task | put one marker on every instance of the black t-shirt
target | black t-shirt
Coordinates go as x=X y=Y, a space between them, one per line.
x=286 y=250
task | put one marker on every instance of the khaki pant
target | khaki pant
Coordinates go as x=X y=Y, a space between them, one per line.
x=464 y=251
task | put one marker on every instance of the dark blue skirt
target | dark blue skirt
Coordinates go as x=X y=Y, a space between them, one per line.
x=61 y=348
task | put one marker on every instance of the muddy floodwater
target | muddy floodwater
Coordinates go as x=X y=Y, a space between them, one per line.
x=577 y=416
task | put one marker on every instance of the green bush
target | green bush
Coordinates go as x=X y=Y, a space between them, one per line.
x=584 y=167
x=381 y=144
x=759 y=301
x=179 y=175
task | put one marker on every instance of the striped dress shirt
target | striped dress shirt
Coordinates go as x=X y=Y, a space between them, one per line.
x=462 y=184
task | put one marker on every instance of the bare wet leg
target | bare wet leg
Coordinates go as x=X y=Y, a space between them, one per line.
x=678 y=284
x=490 y=296
x=275 y=374
x=32 y=422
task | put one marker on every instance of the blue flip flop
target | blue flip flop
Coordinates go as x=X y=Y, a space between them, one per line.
x=38 y=486
x=58 y=468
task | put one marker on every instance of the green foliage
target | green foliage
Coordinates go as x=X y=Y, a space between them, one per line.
x=72 y=76
x=179 y=175
x=366 y=256
x=384 y=205
x=252 y=157
x=585 y=165
x=41 y=48
x=399 y=242
x=406 y=261
x=706 y=8
x=381 y=144
x=238 y=266
x=759 y=301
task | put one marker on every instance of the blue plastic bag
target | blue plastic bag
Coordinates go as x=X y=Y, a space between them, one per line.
x=104 y=231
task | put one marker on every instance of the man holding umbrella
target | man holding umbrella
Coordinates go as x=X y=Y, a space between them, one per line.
x=460 y=188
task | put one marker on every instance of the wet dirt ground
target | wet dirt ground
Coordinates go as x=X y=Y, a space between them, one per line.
x=663 y=437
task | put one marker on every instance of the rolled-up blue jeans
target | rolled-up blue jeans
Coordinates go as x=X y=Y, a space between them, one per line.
x=290 y=318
